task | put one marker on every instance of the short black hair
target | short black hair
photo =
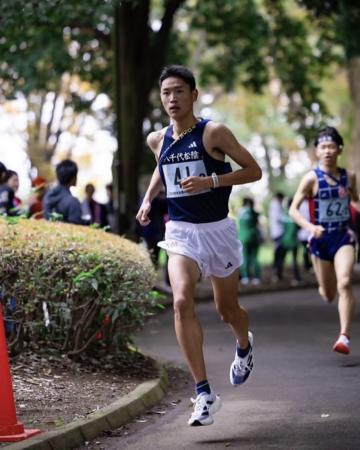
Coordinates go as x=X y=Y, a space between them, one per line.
x=248 y=201
x=332 y=134
x=9 y=173
x=3 y=171
x=177 y=71
x=66 y=171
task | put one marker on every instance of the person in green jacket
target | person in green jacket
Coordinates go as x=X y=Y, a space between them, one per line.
x=250 y=237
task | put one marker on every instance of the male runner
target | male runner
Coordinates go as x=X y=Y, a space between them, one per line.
x=200 y=238
x=329 y=190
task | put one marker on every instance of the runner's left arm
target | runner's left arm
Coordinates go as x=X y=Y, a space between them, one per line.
x=220 y=141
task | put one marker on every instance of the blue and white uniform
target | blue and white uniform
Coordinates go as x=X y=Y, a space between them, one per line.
x=330 y=208
x=199 y=227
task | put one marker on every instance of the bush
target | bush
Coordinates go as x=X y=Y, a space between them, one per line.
x=71 y=288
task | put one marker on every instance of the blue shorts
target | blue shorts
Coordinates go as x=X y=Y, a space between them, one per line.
x=327 y=246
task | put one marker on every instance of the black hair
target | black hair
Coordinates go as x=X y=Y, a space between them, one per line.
x=8 y=174
x=3 y=171
x=333 y=134
x=279 y=195
x=248 y=201
x=66 y=171
x=177 y=71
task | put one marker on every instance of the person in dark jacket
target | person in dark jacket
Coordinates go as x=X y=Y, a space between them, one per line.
x=59 y=199
x=6 y=194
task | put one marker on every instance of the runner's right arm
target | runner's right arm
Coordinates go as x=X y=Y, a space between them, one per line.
x=305 y=190
x=156 y=185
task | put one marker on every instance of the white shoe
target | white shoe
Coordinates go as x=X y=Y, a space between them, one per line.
x=205 y=405
x=241 y=368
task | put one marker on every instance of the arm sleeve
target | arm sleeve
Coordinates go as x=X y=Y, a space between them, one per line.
x=74 y=212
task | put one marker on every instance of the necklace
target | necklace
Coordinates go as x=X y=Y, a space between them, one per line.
x=181 y=136
x=185 y=132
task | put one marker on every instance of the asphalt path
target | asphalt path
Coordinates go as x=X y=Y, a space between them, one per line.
x=301 y=395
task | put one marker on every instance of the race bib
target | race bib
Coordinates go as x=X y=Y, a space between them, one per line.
x=174 y=173
x=334 y=210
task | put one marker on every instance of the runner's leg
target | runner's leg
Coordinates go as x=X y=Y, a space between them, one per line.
x=344 y=263
x=184 y=274
x=326 y=278
x=226 y=301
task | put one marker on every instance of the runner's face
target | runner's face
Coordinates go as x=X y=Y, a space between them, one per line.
x=177 y=97
x=327 y=153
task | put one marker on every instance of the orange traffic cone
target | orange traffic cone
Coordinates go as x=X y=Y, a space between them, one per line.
x=10 y=429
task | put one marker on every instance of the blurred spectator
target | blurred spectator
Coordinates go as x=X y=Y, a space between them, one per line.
x=12 y=180
x=250 y=237
x=276 y=226
x=154 y=232
x=290 y=243
x=110 y=213
x=93 y=212
x=59 y=200
x=303 y=236
x=2 y=173
x=36 y=201
x=7 y=195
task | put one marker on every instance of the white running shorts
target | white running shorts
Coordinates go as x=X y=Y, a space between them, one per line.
x=214 y=246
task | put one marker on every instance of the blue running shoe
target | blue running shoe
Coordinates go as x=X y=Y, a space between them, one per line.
x=241 y=368
x=205 y=405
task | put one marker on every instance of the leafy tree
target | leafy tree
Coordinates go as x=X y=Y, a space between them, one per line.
x=61 y=45
x=338 y=23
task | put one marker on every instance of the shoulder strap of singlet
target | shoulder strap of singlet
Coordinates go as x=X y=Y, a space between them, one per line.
x=337 y=181
x=168 y=138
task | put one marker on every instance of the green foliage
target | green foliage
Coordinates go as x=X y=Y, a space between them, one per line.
x=95 y=287
x=338 y=23
x=235 y=40
x=42 y=40
x=252 y=42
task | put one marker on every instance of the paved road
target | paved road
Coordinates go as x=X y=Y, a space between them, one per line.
x=300 y=396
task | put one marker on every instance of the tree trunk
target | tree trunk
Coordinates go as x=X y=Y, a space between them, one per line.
x=131 y=103
x=139 y=55
x=354 y=83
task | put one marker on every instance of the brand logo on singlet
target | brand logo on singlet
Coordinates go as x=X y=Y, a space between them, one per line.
x=192 y=145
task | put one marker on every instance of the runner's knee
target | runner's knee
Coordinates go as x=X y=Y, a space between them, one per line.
x=344 y=284
x=183 y=307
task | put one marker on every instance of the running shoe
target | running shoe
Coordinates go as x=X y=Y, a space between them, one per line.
x=241 y=368
x=205 y=405
x=342 y=345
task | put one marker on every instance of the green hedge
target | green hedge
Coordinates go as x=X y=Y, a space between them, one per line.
x=95 y=288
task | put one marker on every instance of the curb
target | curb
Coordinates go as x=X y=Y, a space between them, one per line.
x=122 y=411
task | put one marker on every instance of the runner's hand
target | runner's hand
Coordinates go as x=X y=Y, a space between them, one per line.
x=143 y=214
x=317 y=231
x=193 y=185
